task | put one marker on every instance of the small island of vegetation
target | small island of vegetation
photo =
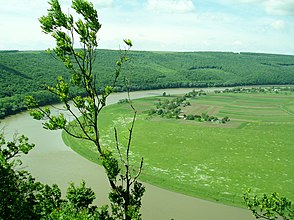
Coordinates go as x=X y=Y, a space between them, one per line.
x=176 y=108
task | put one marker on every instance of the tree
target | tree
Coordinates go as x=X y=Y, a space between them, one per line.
x=190 y=117
x=269 y=206
x=80 y=197
x=22 y=197
x=126 y=191
x=17 y=186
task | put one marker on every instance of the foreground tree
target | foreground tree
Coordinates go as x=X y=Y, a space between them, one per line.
x=22 y=197
x=269 y=206
x=126 y=193
x=17 y=187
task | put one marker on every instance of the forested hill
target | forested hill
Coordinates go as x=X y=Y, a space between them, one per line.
x=26 y=72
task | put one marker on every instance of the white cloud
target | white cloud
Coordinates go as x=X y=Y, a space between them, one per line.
x=249 y=1
x=16 y=7
x=273 y=7
x=278 y=24
x=237 y=2
x=171 y=6
x=237 y=43
x=279 y=7
x=217 y=17
x=214 y=27
x=103 y=3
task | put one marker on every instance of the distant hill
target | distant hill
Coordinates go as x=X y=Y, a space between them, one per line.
x=26 y=72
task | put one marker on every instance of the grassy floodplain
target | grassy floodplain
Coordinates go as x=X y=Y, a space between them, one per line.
x=209 y=160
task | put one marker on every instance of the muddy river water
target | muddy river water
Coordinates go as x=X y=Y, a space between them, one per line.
x=51 y=161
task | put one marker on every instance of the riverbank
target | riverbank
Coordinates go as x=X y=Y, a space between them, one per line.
x=53 y=162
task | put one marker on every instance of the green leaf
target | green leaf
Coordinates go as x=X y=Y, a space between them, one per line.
x=37 y=114
x=128 y=42
x=56 y=122
x=30 y=102
x=110 y=163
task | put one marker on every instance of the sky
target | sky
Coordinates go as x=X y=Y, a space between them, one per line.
x=265 y=26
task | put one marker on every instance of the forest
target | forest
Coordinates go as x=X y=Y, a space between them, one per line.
x=25 y=73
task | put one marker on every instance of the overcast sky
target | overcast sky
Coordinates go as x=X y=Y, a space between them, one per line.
x=165 y=25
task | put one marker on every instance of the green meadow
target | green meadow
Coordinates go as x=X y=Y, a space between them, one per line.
x=209 y=160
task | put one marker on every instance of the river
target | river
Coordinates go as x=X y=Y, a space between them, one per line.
x=51 y=161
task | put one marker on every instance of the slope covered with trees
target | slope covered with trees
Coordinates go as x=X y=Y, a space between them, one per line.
x=26 y=72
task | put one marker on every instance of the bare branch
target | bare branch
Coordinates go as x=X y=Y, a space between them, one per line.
x=139 y=172
x=117 y=146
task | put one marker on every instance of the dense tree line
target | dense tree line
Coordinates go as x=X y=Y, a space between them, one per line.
x=25 y=72
x=272 y=89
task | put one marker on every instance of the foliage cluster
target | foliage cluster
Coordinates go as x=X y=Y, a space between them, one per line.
x=171 y=108
x=22 y=197
x=273 y=89
x=270 y=207
x=194 y=93
x=26 y=72
x=206 y=117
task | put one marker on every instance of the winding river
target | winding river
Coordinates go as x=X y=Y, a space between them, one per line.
x=51 y=161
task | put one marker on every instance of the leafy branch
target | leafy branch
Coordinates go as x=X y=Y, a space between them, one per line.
x=269 y=206
x=125 y=196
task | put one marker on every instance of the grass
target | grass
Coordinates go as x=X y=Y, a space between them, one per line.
x=210 y=161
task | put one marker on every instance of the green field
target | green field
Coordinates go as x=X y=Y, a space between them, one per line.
x=207 y=160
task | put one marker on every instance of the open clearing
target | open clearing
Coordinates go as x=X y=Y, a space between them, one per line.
x=206 y=160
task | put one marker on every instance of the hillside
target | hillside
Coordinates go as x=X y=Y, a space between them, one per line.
x=27 y=72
